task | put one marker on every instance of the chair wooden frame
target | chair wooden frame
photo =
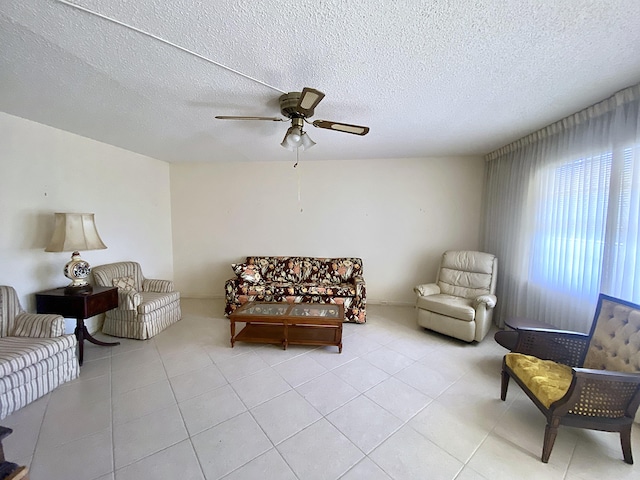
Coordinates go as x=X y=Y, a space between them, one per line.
x=17 y=472
x=602 y=400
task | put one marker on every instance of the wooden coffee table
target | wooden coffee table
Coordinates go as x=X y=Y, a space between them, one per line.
x=289 y=324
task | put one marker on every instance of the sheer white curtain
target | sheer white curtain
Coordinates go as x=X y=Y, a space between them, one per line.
x=561 y=212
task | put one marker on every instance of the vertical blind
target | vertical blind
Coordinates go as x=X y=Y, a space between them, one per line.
x=561 y=212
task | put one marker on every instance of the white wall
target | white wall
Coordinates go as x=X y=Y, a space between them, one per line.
x=45 y=170
x=399 y=215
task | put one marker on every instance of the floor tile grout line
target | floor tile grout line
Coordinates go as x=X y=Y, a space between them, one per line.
x=35 y=446
x=181 y=418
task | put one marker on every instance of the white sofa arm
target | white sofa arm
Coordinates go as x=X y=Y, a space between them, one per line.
x=158 y=286
x=128 y=299
x=427 y=289
x=38 y=325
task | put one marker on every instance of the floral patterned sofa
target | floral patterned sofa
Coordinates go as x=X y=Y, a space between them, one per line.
x=299 y=280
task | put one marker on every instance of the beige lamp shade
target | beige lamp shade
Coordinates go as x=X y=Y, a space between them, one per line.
x=74 y=232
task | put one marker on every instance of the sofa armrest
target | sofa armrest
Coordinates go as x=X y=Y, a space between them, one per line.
x=38 y=325
x=231 y=293
x=128 y=299
x=360 y=285
x=427 y=289
x=157 y=286
x=358 y=310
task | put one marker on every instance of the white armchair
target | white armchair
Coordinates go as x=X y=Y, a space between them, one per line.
x=145 y=306
x=460 y=302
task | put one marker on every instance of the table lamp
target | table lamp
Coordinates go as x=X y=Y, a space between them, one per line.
x=73 y=232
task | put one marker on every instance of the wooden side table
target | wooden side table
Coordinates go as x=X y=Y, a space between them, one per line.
x=80 y=306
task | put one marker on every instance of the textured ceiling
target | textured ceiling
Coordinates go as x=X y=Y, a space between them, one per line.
x=430 y=78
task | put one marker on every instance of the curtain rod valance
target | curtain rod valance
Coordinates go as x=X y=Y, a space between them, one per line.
x=622 y=97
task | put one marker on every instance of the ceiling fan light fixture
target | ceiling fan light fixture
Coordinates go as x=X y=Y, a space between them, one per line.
x=293 y=136
x=306 y=142
x=297 y=138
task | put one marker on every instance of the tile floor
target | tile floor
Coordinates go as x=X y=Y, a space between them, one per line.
x=398 y=403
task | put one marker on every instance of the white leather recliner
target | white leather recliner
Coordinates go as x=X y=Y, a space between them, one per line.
x=460 y=302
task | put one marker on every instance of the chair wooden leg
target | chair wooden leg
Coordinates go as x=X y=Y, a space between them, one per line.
x=550 y=434
x=504 y=384
x=22 y=473
x=625 y=440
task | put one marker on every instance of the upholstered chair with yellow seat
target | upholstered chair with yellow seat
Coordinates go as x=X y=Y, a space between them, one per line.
x=460 y=302
x=582 y=380
x=145 y=306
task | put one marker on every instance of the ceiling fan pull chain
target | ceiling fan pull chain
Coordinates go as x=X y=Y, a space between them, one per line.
x=299 y=180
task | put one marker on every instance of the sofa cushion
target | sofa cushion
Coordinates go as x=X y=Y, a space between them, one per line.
x=279 y=269
x=456 y=307
x=17 y=353
x=334 y=270
x=124 y=283
x=51 y=371
x=307 y=269
x=152 y=301
x=248 y=273
x=295 y=289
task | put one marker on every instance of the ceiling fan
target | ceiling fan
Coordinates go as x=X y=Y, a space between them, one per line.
x=298 y=107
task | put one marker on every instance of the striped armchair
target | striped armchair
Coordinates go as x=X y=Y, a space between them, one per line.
x=145 y=306
x=35 y=354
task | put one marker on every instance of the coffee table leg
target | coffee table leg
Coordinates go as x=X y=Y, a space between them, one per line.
x=233 y=332
x=285 y=342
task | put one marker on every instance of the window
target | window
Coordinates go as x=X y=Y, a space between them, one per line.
x=582 y=241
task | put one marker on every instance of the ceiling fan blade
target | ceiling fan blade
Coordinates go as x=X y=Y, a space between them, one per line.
x=341 y=127
x=309 y=99
x=234 y=117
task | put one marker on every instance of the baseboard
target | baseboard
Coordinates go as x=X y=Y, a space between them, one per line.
x=203 y=297
x=389 y=303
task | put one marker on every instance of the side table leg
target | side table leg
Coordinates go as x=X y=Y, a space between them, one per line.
x=79 y=331
x=83 y=334
x=95 y=341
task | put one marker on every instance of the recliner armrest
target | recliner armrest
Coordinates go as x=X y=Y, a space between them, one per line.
x=38 y=325
x=427 y=289
x=489 y=300
x=158 y=286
